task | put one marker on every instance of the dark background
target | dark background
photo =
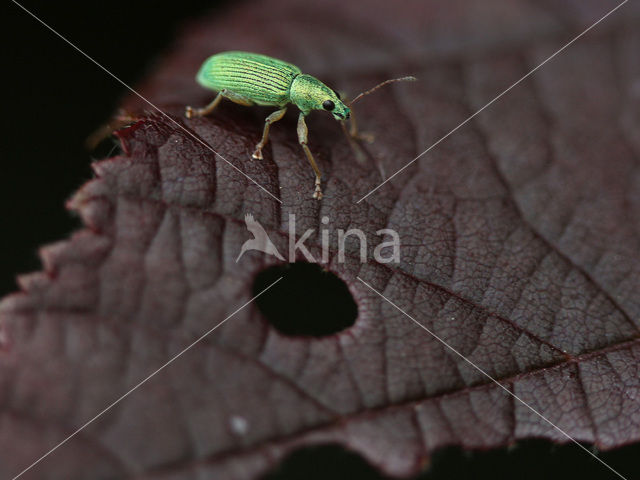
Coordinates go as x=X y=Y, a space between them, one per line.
x=54 y=98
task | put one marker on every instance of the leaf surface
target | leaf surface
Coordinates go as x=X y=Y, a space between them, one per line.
x=520 y=238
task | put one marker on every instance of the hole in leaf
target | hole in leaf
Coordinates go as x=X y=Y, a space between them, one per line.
x=307 y=301
x=324 y=462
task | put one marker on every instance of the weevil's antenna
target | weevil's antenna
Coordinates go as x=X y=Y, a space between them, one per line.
x=382 y=84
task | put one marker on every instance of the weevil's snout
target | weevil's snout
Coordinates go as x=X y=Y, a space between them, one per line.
x=341 y=113
x=309 y=93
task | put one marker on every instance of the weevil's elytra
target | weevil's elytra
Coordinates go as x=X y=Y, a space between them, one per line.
x=254 y=79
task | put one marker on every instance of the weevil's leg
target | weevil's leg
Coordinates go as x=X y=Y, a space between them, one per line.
x=224 y=93
x=302 y=138
x=352 y=137
x=274 y=117
x=201 y=112
x=353 y=130
x=361 y=158
x=235 y=98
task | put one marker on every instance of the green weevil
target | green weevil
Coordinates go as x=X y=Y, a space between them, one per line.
x=254 y=79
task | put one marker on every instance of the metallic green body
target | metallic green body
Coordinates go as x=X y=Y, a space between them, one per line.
x=260 y=79
x=251 y=78
x=254 y=79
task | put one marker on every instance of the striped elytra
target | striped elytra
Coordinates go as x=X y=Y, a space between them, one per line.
x=261 y=79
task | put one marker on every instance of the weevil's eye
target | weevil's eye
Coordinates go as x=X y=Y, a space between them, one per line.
x=328 y=105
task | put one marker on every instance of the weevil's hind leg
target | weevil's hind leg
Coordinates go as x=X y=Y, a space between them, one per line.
x=201 y=112
x=302 y=138
x=224 y=93
x=274 y=117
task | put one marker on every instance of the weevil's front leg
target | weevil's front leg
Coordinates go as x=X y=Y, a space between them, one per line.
x=361 y=158
x=354 y=133
x=353 y=136
x=302 y=138
x=201 y=112
x=274 y=117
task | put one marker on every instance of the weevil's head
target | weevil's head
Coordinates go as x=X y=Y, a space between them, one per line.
x=309 y=93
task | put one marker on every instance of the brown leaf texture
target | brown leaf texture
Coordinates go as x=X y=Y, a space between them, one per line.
x=520 y=239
